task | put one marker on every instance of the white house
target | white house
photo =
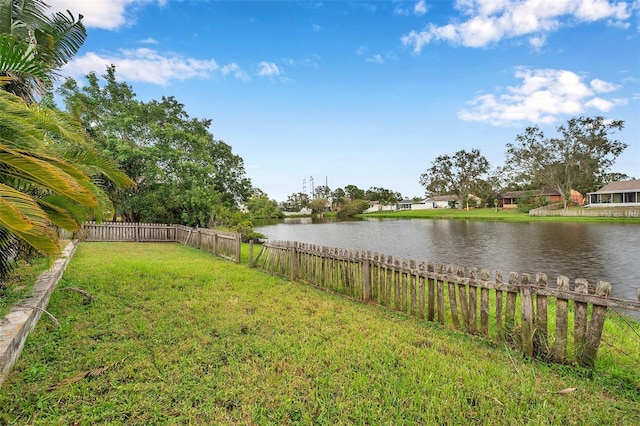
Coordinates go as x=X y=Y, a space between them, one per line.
x=622 y=193
x=437 y=202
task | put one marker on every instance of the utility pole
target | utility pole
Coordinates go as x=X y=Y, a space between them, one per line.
x=313 y=195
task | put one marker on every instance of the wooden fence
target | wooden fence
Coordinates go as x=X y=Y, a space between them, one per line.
x=516 y=310
x=224 y=244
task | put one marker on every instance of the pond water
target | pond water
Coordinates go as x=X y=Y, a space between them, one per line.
x=594 y=251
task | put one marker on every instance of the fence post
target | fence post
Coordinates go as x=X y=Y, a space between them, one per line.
x=292 y=261
x=473 y=300
x=560 y=344
x=541 y=343
x=366 y=279
x=440 y=290
x=238 y=248
x=452 y=297
x=484 y=304
x=137 y=229
x=580 y=318
x=510 y=313
x=526 y=309
x=499 y=298
x=594 y=333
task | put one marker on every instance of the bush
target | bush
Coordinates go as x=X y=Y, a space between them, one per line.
x=353 y=208
x=529 y=202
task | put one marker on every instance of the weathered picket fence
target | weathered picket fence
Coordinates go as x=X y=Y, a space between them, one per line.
x=516 y=311
x=220 y=243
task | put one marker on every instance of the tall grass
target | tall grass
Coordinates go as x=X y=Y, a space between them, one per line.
x=177 y=336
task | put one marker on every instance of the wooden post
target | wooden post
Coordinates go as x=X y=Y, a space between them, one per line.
x=136 y=230
x=431 y=297
x=366 y=280
x=452 y=297
x=440 y=308
x=484 y=304
x=580 y=318
x=389 y=280
x=541 y=335
x=594 y=333
x=473 y=300
x=396 y=284
x=526 y=311
x=499 y=305
x=464 y=300
x=510 y=313
x=251 y=265
x=405 y=286
x=292 y=261
x=560 y=344
x=412 y=287
x=375 y=280
x=421 y=290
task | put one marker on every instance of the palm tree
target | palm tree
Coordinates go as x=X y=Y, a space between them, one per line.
x=33 y=45
x=45 y=169
x=49 y=170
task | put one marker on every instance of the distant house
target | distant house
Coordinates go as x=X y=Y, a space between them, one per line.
x=436 y=202
x=510 y=199
x=404 y=204
x=623 y=193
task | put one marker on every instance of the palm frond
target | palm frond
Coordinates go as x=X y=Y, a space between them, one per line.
x=18 y=60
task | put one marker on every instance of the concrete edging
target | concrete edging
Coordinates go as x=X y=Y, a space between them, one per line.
x=23 y=317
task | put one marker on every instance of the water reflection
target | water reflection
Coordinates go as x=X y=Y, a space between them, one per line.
x=594 y=251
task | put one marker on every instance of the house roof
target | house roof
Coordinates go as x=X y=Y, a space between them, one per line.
x=632 y=185
x=537 y=193
x=445 y=198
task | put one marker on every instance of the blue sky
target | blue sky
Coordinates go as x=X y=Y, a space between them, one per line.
x=369 y=93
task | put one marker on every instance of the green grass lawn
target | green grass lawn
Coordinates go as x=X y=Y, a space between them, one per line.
x=177 y=336
x=508 y=215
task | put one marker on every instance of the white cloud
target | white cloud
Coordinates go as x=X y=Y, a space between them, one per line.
x=490 y=21
x=105 y=14
x=601 y=86
x=149 y=66
x=234 y=70
x=420 y=8
x=376 y=59
x=543 y=97
x=268 y=69
x=149 y=41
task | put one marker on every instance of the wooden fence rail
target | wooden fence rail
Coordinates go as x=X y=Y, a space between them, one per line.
x=220 y=243
x=516 y=311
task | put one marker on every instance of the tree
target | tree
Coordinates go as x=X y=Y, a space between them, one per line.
x=354 y=193
x=321 y=191
x=50 y=173
x=318 y=205
x=261 y=207
x=337 y=198
x=297 y=201
x=579 y=159
x=353 y=207
x=460 y=174
x=34 y=45
x=182 y=174
x=382 y=195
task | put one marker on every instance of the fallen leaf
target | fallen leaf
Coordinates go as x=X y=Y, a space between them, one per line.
x=567 y=390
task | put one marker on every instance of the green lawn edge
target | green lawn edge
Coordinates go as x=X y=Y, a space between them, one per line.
x=489 y=214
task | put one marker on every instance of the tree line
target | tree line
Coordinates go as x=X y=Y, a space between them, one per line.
x=579 y=158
